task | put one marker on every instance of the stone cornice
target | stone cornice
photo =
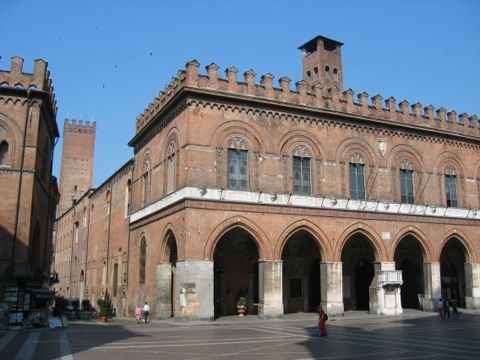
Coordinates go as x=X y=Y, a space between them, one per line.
x=289 y=203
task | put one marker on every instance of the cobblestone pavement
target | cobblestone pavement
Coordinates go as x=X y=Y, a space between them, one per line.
x=356 y=336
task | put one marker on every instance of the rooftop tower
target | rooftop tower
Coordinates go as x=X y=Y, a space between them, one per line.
x=322 y=62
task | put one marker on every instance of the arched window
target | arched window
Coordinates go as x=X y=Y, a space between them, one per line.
x=108 y=200
x=76 y=232
x=335 y=74
x=406 y=182
x=237 y=163
x=145 y=182
x=128 y=197
x=142 y=261
x=301 y=170
x=357 y=177
x=451 y=186
x=327 y=72
x=171 y=166
x=4 y=153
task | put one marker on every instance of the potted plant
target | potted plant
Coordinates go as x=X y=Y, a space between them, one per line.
x=104 y=306
x=241 y=304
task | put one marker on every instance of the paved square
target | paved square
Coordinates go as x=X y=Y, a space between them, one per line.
x=359 y=337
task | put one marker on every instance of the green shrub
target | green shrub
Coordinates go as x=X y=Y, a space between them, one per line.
x=104 y=306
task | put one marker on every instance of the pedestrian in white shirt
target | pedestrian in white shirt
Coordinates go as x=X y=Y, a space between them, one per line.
x=146 y=311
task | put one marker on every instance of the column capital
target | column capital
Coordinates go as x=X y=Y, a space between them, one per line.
x=270 y=261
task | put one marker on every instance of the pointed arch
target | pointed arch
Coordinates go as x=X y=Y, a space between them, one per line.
x=470 y=255
x=398 y=152
x=448 y=158
x=318 y=235
x=362 y=228
x=169 y=234
x=419 y=235
x=294 y=137
x=234 y=127
x=257 y=234
x=352 y=145
x=171 y=157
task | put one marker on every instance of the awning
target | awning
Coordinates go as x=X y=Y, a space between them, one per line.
x=41 y=293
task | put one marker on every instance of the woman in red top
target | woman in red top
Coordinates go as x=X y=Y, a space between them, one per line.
x=322 y=318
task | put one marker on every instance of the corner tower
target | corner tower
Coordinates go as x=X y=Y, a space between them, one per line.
x=322 y=62
x=76 y=170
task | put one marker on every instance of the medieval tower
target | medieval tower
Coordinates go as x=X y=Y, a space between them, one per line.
x=322 y=62
x=76 y=170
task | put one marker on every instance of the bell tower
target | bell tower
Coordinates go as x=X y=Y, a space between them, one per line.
x=76 y=170
x=322 y=62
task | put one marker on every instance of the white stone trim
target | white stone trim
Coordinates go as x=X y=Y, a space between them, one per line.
x=204 y=193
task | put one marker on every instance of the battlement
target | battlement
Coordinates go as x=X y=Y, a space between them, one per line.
x=73 y=125
x=38 y=80
x=319 y=96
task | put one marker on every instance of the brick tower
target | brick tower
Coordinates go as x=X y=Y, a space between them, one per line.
x=322 y=62
x=76 y=170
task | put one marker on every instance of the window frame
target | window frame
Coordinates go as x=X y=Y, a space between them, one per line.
x=407 y=191
x=305 y=170
x=451 y=185
x=354 y=174
x=236 y=158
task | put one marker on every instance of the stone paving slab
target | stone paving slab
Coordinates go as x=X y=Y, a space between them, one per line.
x=356 y=336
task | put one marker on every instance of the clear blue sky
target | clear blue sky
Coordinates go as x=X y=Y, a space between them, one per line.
x=109 y=58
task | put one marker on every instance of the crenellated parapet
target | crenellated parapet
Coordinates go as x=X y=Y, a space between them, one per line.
x=314 y=97
x=79 y=126
x=39 y=80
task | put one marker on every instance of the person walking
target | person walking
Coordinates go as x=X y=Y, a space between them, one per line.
x=146 y=311
x=446 y=308
x=322 y=318
x=138 y=314
x=440 y=308
x=454 y=309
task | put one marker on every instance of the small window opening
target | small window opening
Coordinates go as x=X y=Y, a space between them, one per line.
x=329 y=45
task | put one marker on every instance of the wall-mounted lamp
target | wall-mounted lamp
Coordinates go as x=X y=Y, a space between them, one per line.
x=474 y=212
x=333 y=202
x=273 y=196
x=434 y=209
x=386 y=206
x=202 y=189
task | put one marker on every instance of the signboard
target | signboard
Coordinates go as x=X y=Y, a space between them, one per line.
x=16 y=318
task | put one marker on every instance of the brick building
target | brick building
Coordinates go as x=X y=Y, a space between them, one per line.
x=288 y=197
x=28 y=191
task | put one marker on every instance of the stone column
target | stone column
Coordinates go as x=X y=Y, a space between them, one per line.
x=270 y=289
x=432 y=284
x=194 y=290
x=472 y=285
x=385 y=289
x=164 y=290
x=331 y=287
